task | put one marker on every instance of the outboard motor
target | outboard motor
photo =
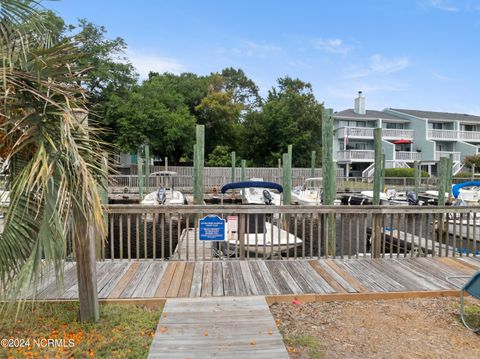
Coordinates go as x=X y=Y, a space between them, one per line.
x=267 y=197
x=161 y=195
x=412 y=198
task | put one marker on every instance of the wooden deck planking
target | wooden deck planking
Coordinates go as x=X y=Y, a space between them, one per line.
x=184 y=246
x=161 y=279
x=202 y=328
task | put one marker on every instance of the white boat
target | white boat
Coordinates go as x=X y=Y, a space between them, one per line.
x=465 y=228
x=262 y=237
x=262 y=195
x=467 y=193
x=269 y=241
x=391 y=197
x=310 y=194
x=165 y=195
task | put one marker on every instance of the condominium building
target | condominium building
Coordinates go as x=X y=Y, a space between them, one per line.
x=407 y=136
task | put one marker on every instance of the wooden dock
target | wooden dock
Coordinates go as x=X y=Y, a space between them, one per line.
x=190 y=246
x=321 y=278
x=202 y=328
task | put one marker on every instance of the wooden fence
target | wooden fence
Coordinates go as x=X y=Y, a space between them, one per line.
x=129 y=184
x=214 y=177
x=290 y=232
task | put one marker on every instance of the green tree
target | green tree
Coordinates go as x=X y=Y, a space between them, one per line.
x=221 y=156
x=473 y=160
x=156 y=113
x=54 y=158
x=290 y=115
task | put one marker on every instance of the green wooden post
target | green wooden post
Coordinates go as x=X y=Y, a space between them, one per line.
x=377 y=176
x=417 y=174
x=328 y=166
x=383 y=172
x=199 y=164
x=377 y=188
x=312 y=164
x=243 y=176
x=448 y=185
x=147 y=168
x=233 y=167
x=442 y=180
x=140 y=174
x=329 y=176
x=195 y=170
x=287 y=179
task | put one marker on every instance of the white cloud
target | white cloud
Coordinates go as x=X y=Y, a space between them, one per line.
x=334 y=46
x=146 y=62
x=379 y=65
x=444 y=5
x=444 y=78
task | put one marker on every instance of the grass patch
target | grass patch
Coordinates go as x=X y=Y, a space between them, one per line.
x=472 y=315
x=304 y=343
x=124 y=331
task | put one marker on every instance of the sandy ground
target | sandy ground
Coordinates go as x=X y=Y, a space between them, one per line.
x=407 y=328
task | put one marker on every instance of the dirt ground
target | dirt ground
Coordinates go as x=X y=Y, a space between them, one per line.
x=406 y=328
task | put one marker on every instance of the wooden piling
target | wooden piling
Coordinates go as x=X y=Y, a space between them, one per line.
x=140 y=174
x=233 y=177
x=312 y=165
x=417 y=175
x=329 y=177
x=377 y=176
x=243 y=176
x=287 y=178
x=147 y=168
x=442 y=180
x=199 y=164
x=448 y=184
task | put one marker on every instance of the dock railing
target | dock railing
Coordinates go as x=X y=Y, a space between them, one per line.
x=292 y=232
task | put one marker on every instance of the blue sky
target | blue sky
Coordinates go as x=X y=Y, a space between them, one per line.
x=418 y=54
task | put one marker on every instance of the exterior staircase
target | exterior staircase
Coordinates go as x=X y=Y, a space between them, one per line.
x=368 y=173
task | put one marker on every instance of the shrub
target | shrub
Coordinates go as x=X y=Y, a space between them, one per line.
x=402 y=172
x=463 y=175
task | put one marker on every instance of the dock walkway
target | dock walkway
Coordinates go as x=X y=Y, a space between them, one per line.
x=321 y=278
x=202 y=328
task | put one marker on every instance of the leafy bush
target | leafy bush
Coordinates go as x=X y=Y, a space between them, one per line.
x=402 y=172
x=472 y=160
x=463 y=175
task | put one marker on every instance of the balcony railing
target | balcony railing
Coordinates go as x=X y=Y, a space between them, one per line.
x=363 y=132
x=356 y=155
x=443 y=134
x=456 y=155
x=470 y=136
x=397 y=133
x=407 y=156
x=358 y=132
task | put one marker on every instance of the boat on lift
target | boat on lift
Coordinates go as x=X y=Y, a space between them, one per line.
x=310 y=194
x=263 y=233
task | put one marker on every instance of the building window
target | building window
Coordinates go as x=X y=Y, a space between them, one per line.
x=468 y=127
x=437 y=125
x=395 y=126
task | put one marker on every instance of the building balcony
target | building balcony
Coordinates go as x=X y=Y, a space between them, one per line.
x=356 y=156
x=367 y=133
x=469 y=136
x=445 y=135
x=439 y=154
x=406 y=156
x=355 y=132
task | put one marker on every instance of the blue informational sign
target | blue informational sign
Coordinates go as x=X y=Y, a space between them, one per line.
x=211 y=228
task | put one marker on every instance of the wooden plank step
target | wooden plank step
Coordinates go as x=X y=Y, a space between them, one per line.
x=202 y=328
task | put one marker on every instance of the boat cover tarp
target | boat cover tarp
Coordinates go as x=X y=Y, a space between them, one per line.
x=247 y=184
x=457 y=187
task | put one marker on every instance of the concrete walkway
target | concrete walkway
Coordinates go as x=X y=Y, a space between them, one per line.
x=228 y=327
